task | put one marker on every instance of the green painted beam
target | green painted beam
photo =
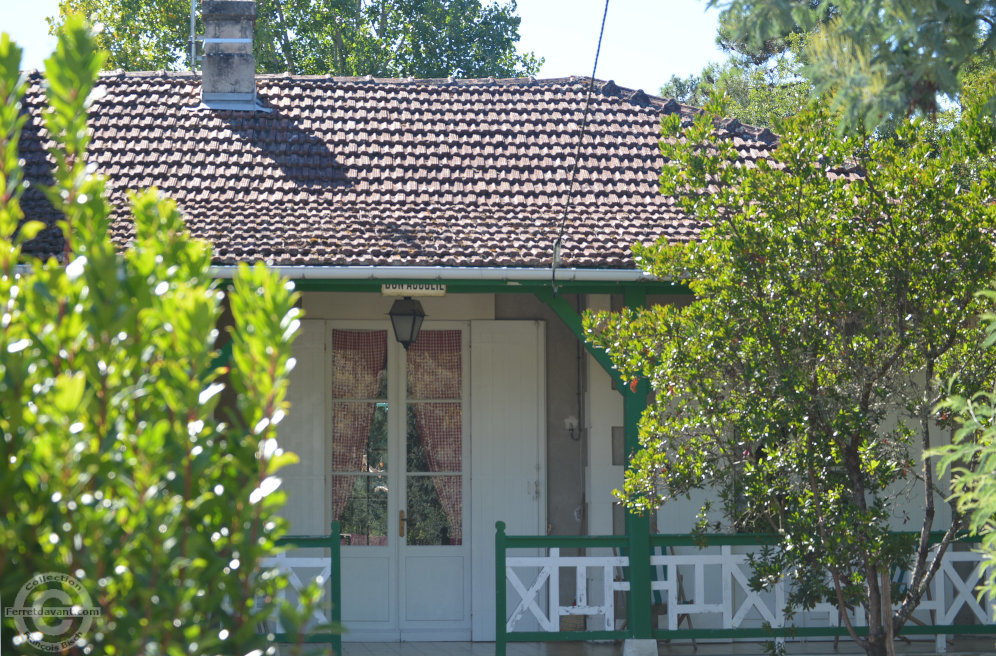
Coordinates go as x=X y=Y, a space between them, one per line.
x=749 y=633
x=566 y=312
x=634 y=403
x=335 y=550
x=494 y=286
x=540 y=288
x=565 y=541
x=752 y=539
x=637 y=526
x=310 y=639
x=818 y=631
x=501 y=595
x=565 y=636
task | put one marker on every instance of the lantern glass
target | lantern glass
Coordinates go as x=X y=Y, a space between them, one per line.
x=407 y=316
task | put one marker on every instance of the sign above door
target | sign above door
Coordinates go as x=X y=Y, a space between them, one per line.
x=413 y=289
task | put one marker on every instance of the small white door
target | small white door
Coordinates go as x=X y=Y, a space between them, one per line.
x=399 y=482
x=508 y=368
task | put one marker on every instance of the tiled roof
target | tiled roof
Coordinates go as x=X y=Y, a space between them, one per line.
x=388 y=172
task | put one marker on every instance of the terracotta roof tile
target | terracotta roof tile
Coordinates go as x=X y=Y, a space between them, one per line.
x=346 y=171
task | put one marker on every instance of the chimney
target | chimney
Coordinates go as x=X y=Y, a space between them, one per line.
x=228 y=71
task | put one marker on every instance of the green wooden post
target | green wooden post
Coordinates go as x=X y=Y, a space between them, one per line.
x=500 y=589
x=634 y=403
x=335 y=549
x=224 y=357
x=637 y=526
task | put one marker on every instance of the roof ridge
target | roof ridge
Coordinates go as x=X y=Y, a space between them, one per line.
x=729 y=123
x=501 y=81
x=525 y=80
x=608 y=88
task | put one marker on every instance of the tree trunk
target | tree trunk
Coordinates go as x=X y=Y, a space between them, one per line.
x=890 y=638
x=876 y=628
x=876 y=642
x=877 y=645
x=285 y=45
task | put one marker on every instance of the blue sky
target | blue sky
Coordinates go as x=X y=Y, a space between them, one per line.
x=646 y=41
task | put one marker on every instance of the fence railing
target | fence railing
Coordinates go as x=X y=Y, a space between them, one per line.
x=699 y=590
x=302 y=570
x=539 y=598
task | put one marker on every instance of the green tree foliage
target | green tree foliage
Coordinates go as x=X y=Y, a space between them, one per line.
x=775 y=42
x=117 y=467
x=971 y=459
x=876 y=58
x=763 y=92
x=835 y=285
x=384 y=38
x=756 y=94
x=971 y=456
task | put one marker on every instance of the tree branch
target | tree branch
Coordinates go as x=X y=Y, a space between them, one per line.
x=834 y=571
x=285 y=39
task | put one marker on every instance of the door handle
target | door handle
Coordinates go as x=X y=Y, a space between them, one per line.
x=401 y=523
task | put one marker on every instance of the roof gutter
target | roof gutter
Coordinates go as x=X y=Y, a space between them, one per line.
x=497 y=274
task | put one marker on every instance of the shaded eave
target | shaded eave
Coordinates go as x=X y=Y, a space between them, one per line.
x=632 y=284
x=484 y=280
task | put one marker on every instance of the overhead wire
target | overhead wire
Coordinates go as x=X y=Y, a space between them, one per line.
x=558 y=244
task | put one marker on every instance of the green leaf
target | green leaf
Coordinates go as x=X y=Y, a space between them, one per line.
x=30 y=230
x=68 y=393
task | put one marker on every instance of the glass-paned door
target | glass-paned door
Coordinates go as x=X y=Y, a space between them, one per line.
x=434 y=439
x=360 y=435
x=398 y=482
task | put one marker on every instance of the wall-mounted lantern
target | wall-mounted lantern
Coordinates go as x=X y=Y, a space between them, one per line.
x=407 y=316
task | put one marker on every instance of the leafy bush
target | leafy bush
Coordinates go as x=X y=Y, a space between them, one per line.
x=116 y=467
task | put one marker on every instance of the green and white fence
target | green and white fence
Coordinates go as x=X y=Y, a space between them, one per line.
x=538 y=595
x=700 y=590
x=309 y=559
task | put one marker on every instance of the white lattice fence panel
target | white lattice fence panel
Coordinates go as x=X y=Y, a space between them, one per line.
x=545 y=571
x=740 y=601
x=693 y=586
x=301 y=571
x=685 y=586
x=954 y=588
x=953 y=591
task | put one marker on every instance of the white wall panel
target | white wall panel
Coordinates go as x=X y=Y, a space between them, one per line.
x=604 y=409
x=303 y=432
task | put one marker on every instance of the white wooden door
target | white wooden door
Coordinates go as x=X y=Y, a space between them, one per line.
x=434 y=548
x=508 y=446
x=399 y=481
x=412 y=587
